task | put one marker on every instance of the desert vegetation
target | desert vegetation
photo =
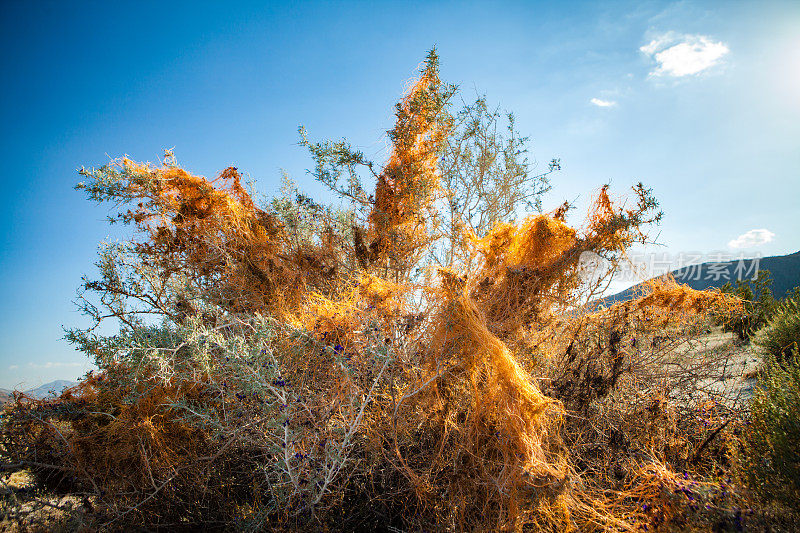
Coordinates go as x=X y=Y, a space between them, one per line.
x=425 y=355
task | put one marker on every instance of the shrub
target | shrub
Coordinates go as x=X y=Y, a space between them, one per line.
x=782 y=334
x=311 y=363
x=759 y=305
x=770 y=450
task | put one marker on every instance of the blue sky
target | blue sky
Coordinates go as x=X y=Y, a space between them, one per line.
x=698 y=100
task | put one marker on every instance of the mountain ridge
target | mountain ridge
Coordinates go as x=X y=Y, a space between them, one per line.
x=40 y=392
x=784 y=271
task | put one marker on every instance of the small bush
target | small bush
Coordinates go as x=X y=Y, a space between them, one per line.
x=782 y=333
x=770 y=453
x=759 y=305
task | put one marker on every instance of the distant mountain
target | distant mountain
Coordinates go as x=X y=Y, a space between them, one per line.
x=784 y=270
x=52 y=388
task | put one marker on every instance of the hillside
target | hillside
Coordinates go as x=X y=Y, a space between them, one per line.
x=784 y=270
x=54 y=387
x=40 y=392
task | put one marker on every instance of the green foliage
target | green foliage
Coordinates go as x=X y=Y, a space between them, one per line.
x=770 y=451
x=309 y=223
x=336 y=165
x=759 y=304
x=486 y=175
x=782 y=334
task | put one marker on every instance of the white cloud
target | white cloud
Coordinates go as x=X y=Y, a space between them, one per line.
x=754 y=237
x=13 y=367
x=682 y=55
x=53 y=364
x=602 y=103
x=660 y=42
